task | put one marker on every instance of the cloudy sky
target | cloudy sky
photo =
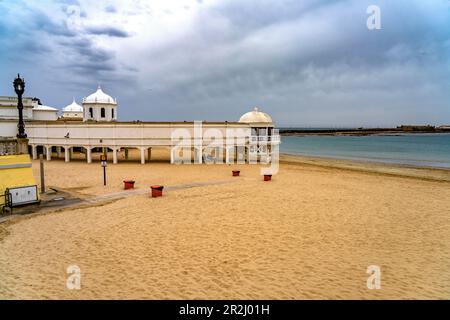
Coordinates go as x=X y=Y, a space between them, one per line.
x=309 y=63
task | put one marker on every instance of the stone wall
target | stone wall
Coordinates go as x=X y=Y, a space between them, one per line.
x=8 y=146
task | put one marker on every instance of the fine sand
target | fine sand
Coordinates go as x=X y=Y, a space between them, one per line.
x=309 y=233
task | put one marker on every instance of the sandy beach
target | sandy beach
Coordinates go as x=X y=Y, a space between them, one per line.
x=310 y=233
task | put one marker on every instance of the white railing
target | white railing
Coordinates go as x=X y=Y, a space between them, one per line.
x=272 y=138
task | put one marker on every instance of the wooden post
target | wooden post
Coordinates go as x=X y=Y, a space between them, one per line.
x=41 y=161
x=104 y=164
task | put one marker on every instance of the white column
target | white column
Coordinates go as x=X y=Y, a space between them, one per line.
x=219 y=155
x=34 y=151
x=227 y=155
x=67 y=153
x=48 y=150
x=88 y=154
x=114 y=155
x=142 y=155
x=199 y=155
x=172 y=155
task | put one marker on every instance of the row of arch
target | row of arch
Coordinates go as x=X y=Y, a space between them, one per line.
x=90 y=153
x=177 y=155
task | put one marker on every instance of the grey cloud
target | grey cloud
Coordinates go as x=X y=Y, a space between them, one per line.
x=41 y=21
x=110 y=8
x=108 y=31
x=91 y=66
x=289 y=56
x=308 y=63
x=85 y=58
x=86 y=48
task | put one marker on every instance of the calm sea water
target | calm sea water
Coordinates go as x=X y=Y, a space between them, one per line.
x=431 y=150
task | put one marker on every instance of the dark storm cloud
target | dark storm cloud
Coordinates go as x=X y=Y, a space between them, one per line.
x=83 y=57
x=107 y=30
x=86 y=48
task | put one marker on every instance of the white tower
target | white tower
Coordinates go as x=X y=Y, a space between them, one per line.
x=100 y=107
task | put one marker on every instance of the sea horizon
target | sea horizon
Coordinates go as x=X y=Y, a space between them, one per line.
x=416 y=149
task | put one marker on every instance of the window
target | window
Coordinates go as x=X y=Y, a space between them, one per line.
x=91 y=112
x=102 y=113
x=112 y=113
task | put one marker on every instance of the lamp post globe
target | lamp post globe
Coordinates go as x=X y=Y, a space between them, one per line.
x=19 y=88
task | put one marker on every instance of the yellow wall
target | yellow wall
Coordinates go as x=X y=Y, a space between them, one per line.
x=15 y=177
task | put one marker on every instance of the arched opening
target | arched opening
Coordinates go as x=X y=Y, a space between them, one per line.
x=75 y=153
x=112 y=113
x=159 y=154
x=91 y=113
x=102 y=113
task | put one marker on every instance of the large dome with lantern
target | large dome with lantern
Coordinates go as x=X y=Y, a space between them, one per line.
x=99 y=97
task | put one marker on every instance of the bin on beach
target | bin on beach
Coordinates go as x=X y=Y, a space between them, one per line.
x=157 y=191
x=128 y=184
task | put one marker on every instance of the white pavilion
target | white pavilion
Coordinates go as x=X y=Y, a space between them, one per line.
x=95 y=124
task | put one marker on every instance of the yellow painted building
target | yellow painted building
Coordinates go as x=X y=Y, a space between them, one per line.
x=15 y=171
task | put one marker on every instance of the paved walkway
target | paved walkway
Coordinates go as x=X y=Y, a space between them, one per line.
x=127 y=193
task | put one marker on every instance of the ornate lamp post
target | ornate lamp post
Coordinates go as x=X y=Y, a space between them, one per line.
x=22 y=141
x=19 y=87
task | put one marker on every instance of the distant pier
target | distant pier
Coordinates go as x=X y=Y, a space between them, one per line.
x=364 y=131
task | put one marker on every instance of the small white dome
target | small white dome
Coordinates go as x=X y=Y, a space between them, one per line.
x=256 y=116
x=73 y=107
x=99 y=97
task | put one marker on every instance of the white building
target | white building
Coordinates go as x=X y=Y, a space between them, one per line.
x=32 y=110
x=254 y=132
x=45 y=113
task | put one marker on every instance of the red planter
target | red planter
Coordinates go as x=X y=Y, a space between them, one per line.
x=267 y=177
x=157 y=191
x=236 y=173
x=128 y=184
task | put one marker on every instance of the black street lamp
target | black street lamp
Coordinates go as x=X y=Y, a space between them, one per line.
x=19 y=87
